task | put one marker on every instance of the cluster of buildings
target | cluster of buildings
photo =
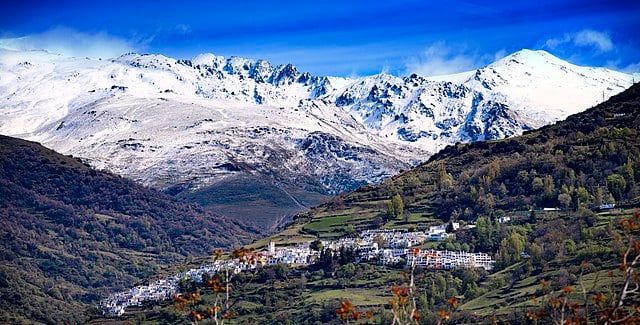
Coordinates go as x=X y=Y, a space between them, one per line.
x=301 y=254
x=385 y=247
x=116 y=304
x=448 y=260
x=389 y=247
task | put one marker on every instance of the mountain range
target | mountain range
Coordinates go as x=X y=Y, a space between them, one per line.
x=260 y=142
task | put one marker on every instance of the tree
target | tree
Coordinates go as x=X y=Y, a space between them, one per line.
x=487 y=203
x=582 y=195
x=395 y=207
x=380 y=241
x=532 y=215
x=449 y=228
x=445 y=180
x=316 y=245
x=523 y=178
x=413 y=182
x=484 y=233
x=473 y=192
x=565 y=200
x=599 y=196
x=548 y=187
x=391 y=211
x=537 y=184
x=628 y=170
x=535 y=253
x=511 y=248
x=616 y=185
x=455 y=214
x=502 y=190
x=610 y=199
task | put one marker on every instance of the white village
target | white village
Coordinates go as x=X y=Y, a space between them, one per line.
x=385 y=247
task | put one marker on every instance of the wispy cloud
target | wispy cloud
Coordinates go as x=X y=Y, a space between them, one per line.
x=598 y=40
x=70 y=42
x=632 y=68
x=440 y=59
x=183 y=29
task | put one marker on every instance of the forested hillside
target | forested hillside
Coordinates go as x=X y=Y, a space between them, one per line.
x=71 y=234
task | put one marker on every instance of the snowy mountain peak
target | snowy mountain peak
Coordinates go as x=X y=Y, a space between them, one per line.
x=542 y=88
x=529 y=57
x=208 y=60
x=146 y=61
x=524 y=90
x=261 y=71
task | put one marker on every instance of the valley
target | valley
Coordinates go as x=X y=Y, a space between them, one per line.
x=337 y=162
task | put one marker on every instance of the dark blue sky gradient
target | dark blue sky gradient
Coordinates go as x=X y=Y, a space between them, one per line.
x=344 y=37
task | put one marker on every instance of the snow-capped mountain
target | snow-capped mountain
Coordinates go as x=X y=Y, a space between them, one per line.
x=192 y=124
x=525 y=90
x=188 y=124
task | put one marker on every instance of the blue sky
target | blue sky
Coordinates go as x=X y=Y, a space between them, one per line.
x=344 y=38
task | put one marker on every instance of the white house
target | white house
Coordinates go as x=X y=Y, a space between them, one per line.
x=451 y=260
x=504 y=219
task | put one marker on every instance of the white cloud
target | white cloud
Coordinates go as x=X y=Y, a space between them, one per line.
x=626 y=67
x=632 y=68
x=70 y=42
x=499 y=55
x=440 y=59
x=183 y=29
x=600 y=41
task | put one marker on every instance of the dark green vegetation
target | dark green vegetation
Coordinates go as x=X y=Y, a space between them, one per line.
x=70 y=235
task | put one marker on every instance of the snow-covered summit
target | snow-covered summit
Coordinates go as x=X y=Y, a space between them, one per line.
x=544 y=88
x=208 y=59
x=522 y=91
x=164 y=121
x=529 y=57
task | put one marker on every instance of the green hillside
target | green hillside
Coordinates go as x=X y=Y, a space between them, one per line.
x=71 y=235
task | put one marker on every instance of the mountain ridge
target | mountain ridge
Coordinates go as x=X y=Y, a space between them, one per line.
x=170 y=123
